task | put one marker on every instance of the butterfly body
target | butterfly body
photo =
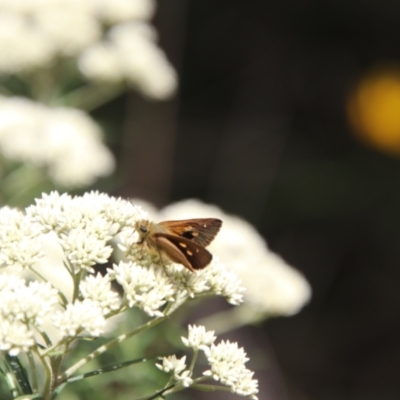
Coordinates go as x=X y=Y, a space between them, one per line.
x=181 y=241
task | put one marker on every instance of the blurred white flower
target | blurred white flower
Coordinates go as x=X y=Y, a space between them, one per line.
x=34 y=32
x=66 y=141
x=272 y=286
x=101 y=63
x=113 y=11
x=68 y=26
x=131 y=54
x=21 y=47
x=172 y=364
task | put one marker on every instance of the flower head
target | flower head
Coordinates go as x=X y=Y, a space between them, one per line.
x=199 y=338
x=80 y=316
x=227 y=361
x=67 y=142
x=177 y=367
x=146 y=288
x=98 y=289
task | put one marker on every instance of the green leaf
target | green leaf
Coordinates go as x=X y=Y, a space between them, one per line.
x=19 y=373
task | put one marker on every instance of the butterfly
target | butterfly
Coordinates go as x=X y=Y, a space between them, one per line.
x=181 y=241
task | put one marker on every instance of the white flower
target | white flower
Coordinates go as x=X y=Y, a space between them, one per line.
x=246 y=385
x=114 y=11
x=21 y=47
x=33 y=33
x=83 y=315
x=118 y=211
x=130 y=53
x=85 y=249
x=84 y=224
x=26 y=303
x=15 y=337
x=65 y=141
x=23 y=307
x=146 y=288
x=101 y=63
x=224 y=283
x=199 y=338
x=227 y=366
x=50 y=212
x=19 y=239
x=272 y=286
x=176 y=366
x=172 y=364
x=98 y=289
x=214 y=279
x=70 y=29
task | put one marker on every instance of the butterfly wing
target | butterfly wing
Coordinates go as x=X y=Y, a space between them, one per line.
x=183 y=251
x=201 y=231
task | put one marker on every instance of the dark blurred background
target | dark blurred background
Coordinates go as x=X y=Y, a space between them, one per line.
x=272 y=122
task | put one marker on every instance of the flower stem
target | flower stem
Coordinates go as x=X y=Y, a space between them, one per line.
x=107 y=346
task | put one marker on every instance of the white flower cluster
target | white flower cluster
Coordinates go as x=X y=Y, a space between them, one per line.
x=177 y=367
x=67 y=142
x=130 y=53
x=19 y=244
x=226 y=360
x=272 y=286
x=81 y=228
x=34 y=32
x=23 y=308
x=227 y=366
x=216 y=279
x=84 y=224
x=146 y=288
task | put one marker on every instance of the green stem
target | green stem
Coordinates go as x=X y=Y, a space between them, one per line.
x=108 y=346
x=49 y=376
x=157 y=394
x=48 y=351
x=90 y=97
x=77 y=279
x=32 y=365
x=194 y=359
x=55 y=364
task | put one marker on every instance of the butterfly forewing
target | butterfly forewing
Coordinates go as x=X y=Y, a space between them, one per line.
x=201 y=231
x=183 y=251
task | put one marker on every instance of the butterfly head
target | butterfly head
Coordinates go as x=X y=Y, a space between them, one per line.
x=143 y=228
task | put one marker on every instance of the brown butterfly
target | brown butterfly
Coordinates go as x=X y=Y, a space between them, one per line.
x=182 y=241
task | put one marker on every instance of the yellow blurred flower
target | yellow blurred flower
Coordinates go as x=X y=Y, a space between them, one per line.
x=374 y=110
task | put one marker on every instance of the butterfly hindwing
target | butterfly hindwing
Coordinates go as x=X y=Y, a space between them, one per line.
x=183 y=251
